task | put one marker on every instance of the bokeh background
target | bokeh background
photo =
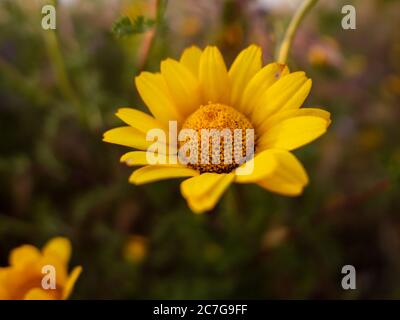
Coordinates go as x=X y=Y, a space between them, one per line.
x=59 y=91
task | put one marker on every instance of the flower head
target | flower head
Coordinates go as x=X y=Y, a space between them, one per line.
x=200 y=94
x=23 y=278
x=135 y=249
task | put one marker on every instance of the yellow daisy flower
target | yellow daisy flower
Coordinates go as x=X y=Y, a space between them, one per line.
x=135 y=249
x=198 y=92
x=23 y=278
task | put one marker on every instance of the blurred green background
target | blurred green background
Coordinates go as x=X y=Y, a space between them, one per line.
x=59 y=92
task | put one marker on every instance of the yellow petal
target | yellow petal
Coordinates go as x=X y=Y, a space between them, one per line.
x=214 y=78
x=140 y=120
x=283 y=115
x=158 y=172
x=127 y=136
x=288 y=178
x=261 y=165
x=135 y=158
x=57 y=258
x=20 y=279
x=69 y=285
x=4 y=282
x=292 y=133
x=259 y=84
x=39 y=294
x=294 y=103
x=4 y=295
x=183 y=86
x=23 y=255
x=154 y=92
x=140 y=158
x=277 y=96
x=59 y=247
x=191 y=59
x=203 y=192
x=245 y=66
x=299 y=97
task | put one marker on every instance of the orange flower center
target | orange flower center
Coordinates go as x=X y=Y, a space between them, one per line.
x=225 y=138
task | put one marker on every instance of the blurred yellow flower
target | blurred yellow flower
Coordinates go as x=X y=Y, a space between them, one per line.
x=133 y=9
x=355 y=65
x=23 y=278
x=190 y=26
x=317 y=55
x=135 y=248
x=232 y=34
x=391 y=84
x=199 y=92
x=325 y=53
x=371 y=138
x=274 y=237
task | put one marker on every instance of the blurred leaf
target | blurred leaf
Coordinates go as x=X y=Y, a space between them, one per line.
x=161 y=8
x=125 y=27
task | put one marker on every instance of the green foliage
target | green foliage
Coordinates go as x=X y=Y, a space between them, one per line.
x=124 y=26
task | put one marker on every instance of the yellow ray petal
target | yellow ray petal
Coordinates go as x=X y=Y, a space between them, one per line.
x=191 y=59
x=245 y=66
x=39 y=294
x=16 y=284
x=183 y=86
x=292 y=133
x=259 y=84
x=299 y=97
x=214 y=78
x=158 y=172
x=294 y=103
x=59 y=247
x=260 y=166
x=203 y=191
x=288 y=178
x=198 y=186
x=140 y=120
x=154 y=92
x=23 y=255
x=277 y=96
x=69 y=285
x=283 y=115
x=55 y=258
x=4 y=295
x=127 y=136
x=140 y=158
x=135 y=158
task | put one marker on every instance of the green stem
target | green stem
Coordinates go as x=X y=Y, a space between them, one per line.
x=160 y=7
x=292 y=28
x=56 y=58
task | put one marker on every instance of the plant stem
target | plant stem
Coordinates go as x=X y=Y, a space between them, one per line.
x=292 y=28
x=52 y=45
x=57 y=61
x=148 y=42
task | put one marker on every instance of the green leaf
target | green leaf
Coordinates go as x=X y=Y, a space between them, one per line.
x=124 y=26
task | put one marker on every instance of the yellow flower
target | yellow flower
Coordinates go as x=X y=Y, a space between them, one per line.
x=23 y=278
x=135 y=249
x=200 y=93
x=133 y=9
